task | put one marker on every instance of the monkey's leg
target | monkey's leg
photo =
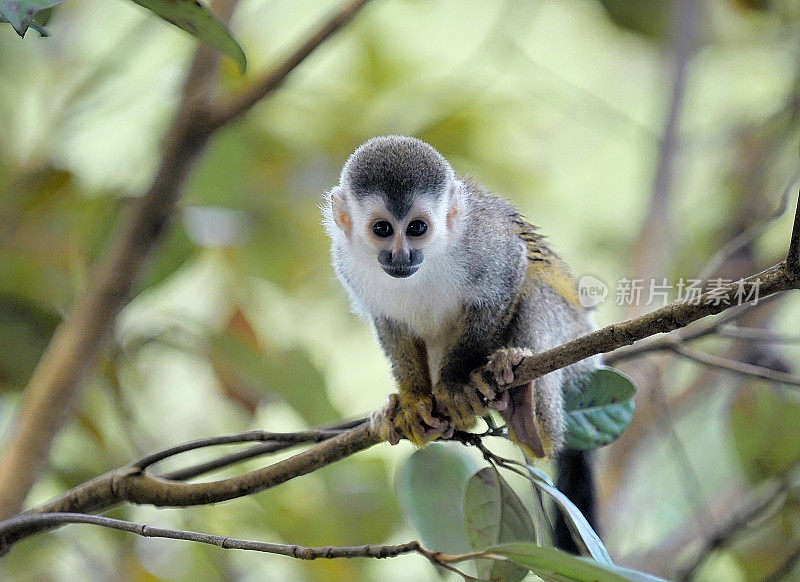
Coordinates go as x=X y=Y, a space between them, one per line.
x=410 y=412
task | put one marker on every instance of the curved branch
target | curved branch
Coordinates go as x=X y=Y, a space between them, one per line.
x=287 y=438
x=257 y=451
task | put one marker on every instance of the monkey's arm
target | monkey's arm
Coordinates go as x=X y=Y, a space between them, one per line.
x=410 y=412
x=479 y=333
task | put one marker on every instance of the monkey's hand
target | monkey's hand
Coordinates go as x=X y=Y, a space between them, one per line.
x=411 y=416
x=537 y=434
x=500 y=367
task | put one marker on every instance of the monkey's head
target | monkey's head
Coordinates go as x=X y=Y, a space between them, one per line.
x=397 y=203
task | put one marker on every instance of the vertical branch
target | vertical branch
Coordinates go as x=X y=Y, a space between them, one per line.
x=73 y=350
x=74 y=347
x=656 y=239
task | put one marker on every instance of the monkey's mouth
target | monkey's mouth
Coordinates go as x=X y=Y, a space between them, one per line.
x=400 y=271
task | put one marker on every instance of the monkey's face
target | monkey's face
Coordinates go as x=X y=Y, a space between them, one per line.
x=398 y=245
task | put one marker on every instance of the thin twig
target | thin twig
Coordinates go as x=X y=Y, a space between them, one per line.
x=685 y=334
x=748 y=235
x=253 y=452
x=240 y=104
x=733 y=527
x=287 y=438
x=741 y=368
x=757 y=334
x=11 y=528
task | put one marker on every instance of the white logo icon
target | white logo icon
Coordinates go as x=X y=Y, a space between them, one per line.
x=591 y=291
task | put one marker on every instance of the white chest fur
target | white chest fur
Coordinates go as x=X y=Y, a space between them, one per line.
x=428 y=302
x=424 y=302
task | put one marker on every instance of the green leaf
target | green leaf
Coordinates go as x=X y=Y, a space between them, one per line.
x=494 y=514
x=600 y=411
x=431 y=487
x=551 y=564
x=199 y=21
x=585 y=537
x=763 y=424
x=20 y=13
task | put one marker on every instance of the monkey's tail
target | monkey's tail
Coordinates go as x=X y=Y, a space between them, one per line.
x=576 y=480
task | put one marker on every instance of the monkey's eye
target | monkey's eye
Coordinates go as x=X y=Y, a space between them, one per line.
x=416 y=227
x=382 y=229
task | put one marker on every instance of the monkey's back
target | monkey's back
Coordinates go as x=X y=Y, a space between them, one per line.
x=523 y=277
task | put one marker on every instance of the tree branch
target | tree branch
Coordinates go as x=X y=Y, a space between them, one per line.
x=679 y=314
x=741 y=368
x=251 y=453
x=15 y=526
x=757 y=335
x=73 y=349
x=239 y=104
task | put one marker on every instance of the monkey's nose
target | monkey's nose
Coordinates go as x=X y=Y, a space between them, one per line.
x=401 y=256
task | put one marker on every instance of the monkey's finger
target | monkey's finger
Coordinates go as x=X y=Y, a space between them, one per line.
x=427 y=417
x=500 y=403
x=394 y=436
x=449 y=432
x=483 y=387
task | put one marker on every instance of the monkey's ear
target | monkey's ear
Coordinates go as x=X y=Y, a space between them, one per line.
x=456 y=205
x=340 y=210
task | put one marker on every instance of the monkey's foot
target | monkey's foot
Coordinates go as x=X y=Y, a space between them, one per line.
x=411 y=417
x=500 y=367
x=461 y=404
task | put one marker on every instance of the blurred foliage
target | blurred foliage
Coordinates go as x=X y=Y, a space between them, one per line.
x=238 y=322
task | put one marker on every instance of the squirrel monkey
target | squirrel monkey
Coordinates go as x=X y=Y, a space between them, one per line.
x=452 y=278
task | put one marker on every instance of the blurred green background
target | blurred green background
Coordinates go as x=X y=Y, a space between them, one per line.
x=239 y=322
